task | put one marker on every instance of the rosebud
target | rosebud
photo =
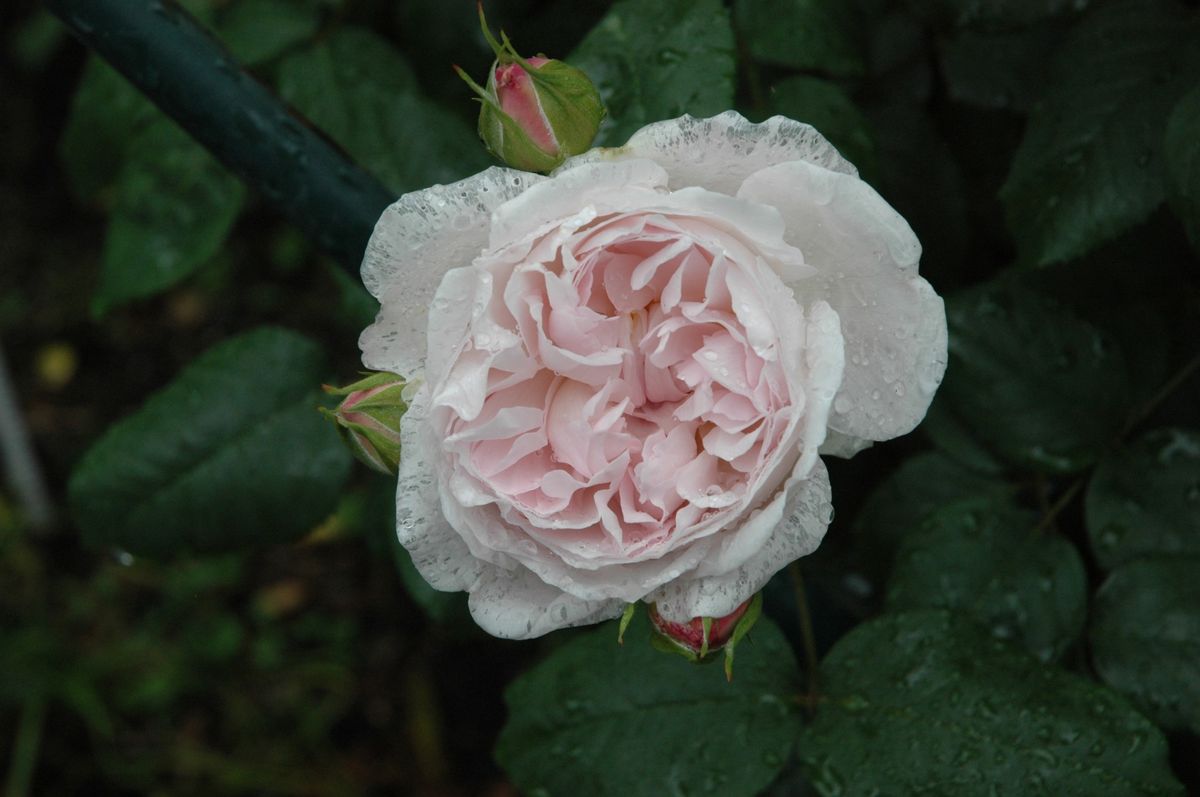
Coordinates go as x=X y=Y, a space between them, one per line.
x=536 y=111
x=699 y=637
x=369 y=419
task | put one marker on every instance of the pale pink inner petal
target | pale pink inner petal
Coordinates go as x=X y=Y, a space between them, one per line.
x=623 y=387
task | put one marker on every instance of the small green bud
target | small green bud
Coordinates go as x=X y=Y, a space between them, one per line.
x=369 y=419
x=537 y=112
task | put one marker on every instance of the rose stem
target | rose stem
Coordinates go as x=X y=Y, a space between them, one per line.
x=806 y=637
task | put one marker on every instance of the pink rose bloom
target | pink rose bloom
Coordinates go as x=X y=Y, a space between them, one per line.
x=631 y=366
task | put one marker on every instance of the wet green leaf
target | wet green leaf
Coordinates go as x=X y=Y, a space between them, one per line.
x=574 y=720
x=983 y=558
x=231 y=454
x=819 y=35
x=1091 y=163
x=654 y=61
x=1144 y=499
x=256 y=31
x=927 y=703
x=106 y=113
x=360 y=91
x=921 y=485
x=1030 y=381
x=174 y=207
x=1145 y=637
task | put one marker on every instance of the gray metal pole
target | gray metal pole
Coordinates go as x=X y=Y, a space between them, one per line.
x=187 y=73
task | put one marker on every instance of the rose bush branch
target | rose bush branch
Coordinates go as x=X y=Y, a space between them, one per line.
x=188 y=74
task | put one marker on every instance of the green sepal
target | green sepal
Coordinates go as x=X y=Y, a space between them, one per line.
x=744 y=624
x=626 y=619
x=706 y=628
x=381 y=454
x=570 y=103
x=369 y=380
x=668 y=645
x=373 y=436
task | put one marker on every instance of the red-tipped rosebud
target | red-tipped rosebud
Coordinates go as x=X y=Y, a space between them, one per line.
x=699 y=637
x=538 y=111
x=369 y=419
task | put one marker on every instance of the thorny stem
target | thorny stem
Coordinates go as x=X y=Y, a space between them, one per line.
x=806 y=637
x=1135 y=419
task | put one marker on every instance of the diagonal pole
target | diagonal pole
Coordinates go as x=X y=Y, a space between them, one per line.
x=188 y=74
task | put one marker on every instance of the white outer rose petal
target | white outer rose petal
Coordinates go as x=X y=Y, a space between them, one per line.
x=893 y=322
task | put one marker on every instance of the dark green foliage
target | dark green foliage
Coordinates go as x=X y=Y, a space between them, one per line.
x=257 y=31
x=819 y=35
x=360 y=91
x=1021 y=367
x=106 y=112
x=572 y=719
x=998 y=69
x=653 y=61
x=1182 y=158
x=926 y=703
x=173 y=208
x=987 y=560
x=996 y=14
x=1145 y=637
x=1144 y=499
x=231 y=453
x=921 y=485
x=1091 y=163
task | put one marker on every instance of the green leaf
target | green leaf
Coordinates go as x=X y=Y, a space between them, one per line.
x=926 y=703
x=175 y=205
x=1138 y=273
x=1031 y=381
x=598 y=718
x=1144 y=499
x=818 y=35
x=826 y=107
x=229 y=455
x=1182 y=154
x=256 y=31
x=922 y=484
x=1145 y=638
x=654 y=61
x=358 y=90
x=1091 y=162
x=955 y=438
x=106 y=113
x=982 y=558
